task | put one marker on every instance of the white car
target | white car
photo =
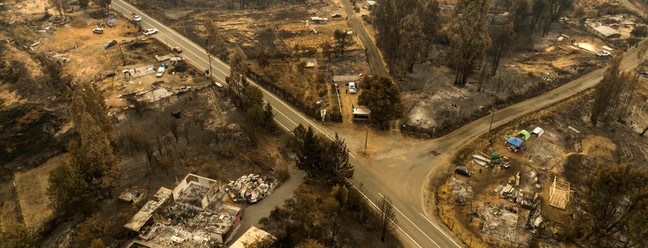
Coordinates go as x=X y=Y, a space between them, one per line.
x=160 y=71
x=137 y=18
x=150 y=31
x=352 y=88
x=603 y=53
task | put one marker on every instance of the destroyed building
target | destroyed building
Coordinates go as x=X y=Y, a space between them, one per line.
x=191 y=215
x=252 y=235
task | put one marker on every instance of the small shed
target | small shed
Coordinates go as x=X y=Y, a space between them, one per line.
x=318 y=20
x=602 y=31
x=361 y=113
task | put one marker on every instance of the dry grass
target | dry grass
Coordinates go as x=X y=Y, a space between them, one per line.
x=8 y=205
x=31 y=187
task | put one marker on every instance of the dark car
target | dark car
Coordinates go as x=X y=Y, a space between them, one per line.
x=110 y=43
x=462 y=170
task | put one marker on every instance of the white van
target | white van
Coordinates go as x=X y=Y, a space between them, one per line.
x=352 y=88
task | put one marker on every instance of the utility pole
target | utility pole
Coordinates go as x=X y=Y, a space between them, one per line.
x=366 y=139
x=491 y=122
x=122 y=55
x=211 y=78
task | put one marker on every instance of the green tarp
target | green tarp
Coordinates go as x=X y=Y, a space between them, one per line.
x=525 y=133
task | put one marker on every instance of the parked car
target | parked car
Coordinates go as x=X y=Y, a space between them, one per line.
x=160 y=71
x=137 y=18
x=603 y=53
x=462 y=170
x=150 y=31
x=176 y=50
x=353 y=88
x=110 y=43
x=336 y=15
x=98 y=30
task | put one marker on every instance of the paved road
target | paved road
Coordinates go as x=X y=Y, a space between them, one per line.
x=373 y=54
x=401 y=167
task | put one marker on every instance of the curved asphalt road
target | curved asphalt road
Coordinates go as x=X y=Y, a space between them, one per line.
x=401 y=170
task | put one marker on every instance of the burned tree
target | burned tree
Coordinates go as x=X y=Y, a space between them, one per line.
x=469 y=37
x=387 y=218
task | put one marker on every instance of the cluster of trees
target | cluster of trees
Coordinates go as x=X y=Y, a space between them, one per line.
x=245 y=96
x=91 y=171
x=342 y=39
x=405 y=29
x=324 y=161
x=62 y=5
x=314 y=219
x=613 y=95
x=613 y=207
x=382 y=97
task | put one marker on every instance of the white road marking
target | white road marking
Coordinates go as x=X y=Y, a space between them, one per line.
x=376 y=206
x=442 y=232
x=410 y=221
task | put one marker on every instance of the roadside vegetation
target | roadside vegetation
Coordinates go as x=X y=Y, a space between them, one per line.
x=326 y=211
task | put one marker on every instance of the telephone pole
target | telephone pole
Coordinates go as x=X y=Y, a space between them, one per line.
x=211 y=78
x=122 y=55
x=491 y=122
x=366 y=139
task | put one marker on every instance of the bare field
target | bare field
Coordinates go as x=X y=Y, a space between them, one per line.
x=31 y=187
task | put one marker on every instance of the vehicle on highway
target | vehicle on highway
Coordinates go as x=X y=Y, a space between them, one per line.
x=160 y=71
x=137 y=18
x=150 y=31
x=177 y=50
x=109 y=44
x=98 y=30
x=353 y=88
x=603 y=53
x=462 y=170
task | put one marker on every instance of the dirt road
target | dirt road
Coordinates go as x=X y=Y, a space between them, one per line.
x=373 y=54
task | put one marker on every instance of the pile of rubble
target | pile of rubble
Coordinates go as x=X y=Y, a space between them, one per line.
x=495 y=161
x=500 y=222
x=461 y=191
x=501 y=162
x=513 y=193
x=250 y=188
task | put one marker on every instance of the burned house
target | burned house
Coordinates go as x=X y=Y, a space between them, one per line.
x=191 y=215
x=602 y=31
x=253 y=234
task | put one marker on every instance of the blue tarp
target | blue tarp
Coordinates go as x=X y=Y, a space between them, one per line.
x=516 y=142
x=112 y=20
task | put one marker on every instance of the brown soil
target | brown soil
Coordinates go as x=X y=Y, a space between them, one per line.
x=547 y=157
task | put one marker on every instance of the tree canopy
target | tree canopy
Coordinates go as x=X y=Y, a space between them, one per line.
x=469 y=37
x=91 y=171
x=382 y=97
